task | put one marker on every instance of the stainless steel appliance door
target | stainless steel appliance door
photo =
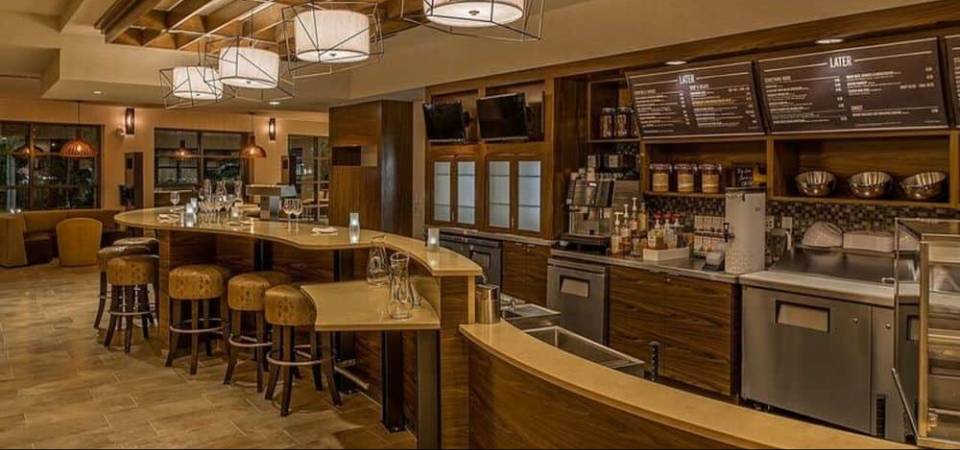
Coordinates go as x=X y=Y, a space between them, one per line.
x=579 y=293
x=808 y=355
x=489 y=258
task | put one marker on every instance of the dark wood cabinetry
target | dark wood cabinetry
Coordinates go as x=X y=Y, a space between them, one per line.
x=525 y=272
x=694 y=321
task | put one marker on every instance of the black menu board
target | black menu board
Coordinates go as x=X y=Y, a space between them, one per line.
x=881 y=87
x=696 y=101
x=953 y=49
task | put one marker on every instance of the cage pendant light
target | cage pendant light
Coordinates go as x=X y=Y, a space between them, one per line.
x=252 y=67
x=193 y=85
x=508 y=20
x=252 y=150
x=77 y=147
x=324 y=37
x=30 y=148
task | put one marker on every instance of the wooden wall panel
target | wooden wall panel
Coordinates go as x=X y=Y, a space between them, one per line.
x=510 y=408
x=454 y=380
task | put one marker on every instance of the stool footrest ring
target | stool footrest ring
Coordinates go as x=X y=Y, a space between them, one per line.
x=248 y=342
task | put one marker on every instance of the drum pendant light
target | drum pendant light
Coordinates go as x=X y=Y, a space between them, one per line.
x=77 y=147
x=197 y=83
x=332 y=36
x=473 y=13
x=249 y=67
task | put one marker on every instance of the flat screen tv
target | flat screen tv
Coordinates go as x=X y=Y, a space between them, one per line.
x=503 y=117
x=446 y=122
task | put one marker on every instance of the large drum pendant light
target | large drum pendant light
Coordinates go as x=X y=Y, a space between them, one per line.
x=249 y=67
x=473 y=13
x=197 y=83
x=332 y=36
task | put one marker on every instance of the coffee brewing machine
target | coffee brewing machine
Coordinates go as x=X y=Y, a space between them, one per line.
x=591 y=203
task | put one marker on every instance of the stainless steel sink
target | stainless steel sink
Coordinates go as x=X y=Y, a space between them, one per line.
x=528 y=316
x=577 y=345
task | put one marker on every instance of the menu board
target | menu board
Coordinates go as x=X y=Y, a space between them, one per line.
x=953 y=49
x=881 y=87
x=696 y=101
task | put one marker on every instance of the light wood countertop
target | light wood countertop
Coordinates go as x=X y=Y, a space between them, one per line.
x=440 y=262
x=734 y=425
x=358 y=306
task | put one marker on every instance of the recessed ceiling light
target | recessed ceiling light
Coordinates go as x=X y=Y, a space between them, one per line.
x=829 y=41
x=676 y=62
x=97 y=92
x=274 y=103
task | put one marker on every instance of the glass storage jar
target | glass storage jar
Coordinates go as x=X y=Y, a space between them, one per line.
x=624 y=118
x=608 y=118
x=710 y=178
x=686 y=178
x=660 y=177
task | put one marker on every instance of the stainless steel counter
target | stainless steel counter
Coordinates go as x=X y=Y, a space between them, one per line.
x=497 y=236
x=692 y=268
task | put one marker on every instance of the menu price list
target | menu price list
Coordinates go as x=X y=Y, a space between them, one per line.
x=953 y=44
x=716 y=100
x=890 y=86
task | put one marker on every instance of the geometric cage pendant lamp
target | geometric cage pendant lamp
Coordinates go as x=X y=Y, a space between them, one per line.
x=324 y=37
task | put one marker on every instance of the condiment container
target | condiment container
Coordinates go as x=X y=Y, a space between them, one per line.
x=608 y=118
x=710 y=178
x=660 y=174
x=686 y=178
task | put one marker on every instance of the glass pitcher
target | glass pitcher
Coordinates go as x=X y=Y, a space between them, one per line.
x=401 y=298
x=378 y=270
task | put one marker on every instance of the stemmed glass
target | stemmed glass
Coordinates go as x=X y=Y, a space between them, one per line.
x=287 y=207
x=297 y=210
x=174 y=200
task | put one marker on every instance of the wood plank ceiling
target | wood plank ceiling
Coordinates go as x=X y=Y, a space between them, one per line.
x=184 y=24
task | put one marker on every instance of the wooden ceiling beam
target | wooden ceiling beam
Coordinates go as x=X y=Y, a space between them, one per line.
x=230 y=13
x=184 y=12
x=125 y=16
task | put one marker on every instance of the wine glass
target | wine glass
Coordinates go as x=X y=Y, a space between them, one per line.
x=287 y=208
x=174 y=200
x=297 y=210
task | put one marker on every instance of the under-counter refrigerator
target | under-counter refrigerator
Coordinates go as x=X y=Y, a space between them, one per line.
x=928 y=349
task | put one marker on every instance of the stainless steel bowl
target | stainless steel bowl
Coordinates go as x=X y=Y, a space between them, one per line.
x=924 y=186
x=871 y=184
x=816 y=183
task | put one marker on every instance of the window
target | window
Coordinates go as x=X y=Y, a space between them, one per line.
x=307 y=167
x=47 y=180
x=214 y=156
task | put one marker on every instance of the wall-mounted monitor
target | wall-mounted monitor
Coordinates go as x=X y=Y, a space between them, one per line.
x=446 y=122
x=503 y=117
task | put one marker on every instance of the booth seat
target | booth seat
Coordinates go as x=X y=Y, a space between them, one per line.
x=31 y=237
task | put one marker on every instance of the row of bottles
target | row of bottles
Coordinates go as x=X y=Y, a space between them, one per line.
x=629 y=229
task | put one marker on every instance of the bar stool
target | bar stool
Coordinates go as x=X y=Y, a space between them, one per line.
x=288 y=308
x=151 y=243
x=198 y=285
x=103 y=257
x=129 y=277
x=245 y=296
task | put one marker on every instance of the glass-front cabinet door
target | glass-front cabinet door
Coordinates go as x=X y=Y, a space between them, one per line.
x=466 y=193
x=499 y=198
x=443 y=191
x=529 y=196
x=453 y=190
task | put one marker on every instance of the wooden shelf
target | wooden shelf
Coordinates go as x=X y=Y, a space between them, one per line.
x=682 y=195
x=858 y=201
x=868 y=134
x=614 y=141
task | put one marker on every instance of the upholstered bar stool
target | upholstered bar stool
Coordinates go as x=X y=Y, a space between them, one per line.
x=151 y=243
x=245 y=295
x=199 y=286
x=287 y=309
x=130 y=277
x=103 y=257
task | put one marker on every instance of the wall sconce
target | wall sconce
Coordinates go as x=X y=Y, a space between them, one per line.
x=130 y=122
x=272 y=129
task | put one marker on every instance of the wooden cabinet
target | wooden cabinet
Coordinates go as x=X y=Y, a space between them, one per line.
x=525 y=272
x=452 y=181
x=696 y=323
x=514 y=193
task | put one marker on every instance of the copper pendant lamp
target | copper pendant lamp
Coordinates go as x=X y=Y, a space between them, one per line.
x=77 y=147
x=252 y=150
x=29 y=149
x=182 y=153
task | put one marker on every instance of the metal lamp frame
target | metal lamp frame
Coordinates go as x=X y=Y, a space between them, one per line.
x=309 y=69
x=528 y=28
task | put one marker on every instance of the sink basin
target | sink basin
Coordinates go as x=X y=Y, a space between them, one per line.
x=528 y=316
x=577 y=345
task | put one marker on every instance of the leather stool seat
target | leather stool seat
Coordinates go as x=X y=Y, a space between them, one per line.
x=198 y=282
x=103 y=257
x=151 y=243
x=287 y=309
x=130 y=275
x=245 y=296
x=246 y=292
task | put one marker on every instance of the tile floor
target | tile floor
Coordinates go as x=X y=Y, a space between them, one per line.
x=60 y=388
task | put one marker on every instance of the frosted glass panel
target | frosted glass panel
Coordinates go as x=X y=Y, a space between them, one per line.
x=441 y=191
x=528 y=191
x=466 y=193
x=499 y=195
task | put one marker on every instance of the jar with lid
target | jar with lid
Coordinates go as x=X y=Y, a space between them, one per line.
x=660 y=177
x=608 y=118
x=624 y=119
x=710 y=176
x=686 y=178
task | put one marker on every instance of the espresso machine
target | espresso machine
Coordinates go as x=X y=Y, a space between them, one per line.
x=591 y=202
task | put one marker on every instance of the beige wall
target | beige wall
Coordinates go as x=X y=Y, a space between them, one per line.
x=115 y=146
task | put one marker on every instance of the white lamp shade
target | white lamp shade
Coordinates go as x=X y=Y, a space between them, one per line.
x=197 y=83
x=332 y=36
x=473 y=13
x=249 y=67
